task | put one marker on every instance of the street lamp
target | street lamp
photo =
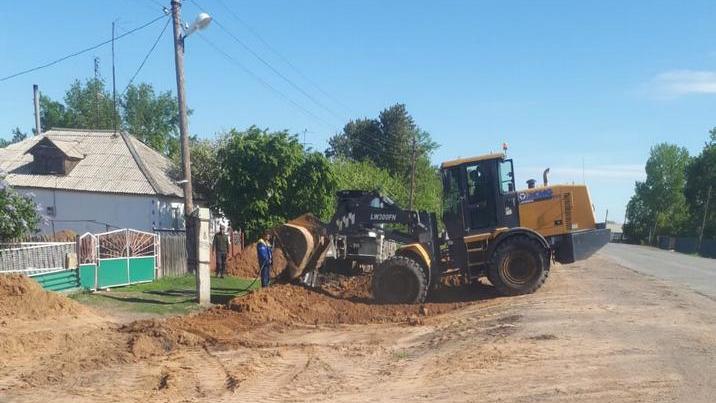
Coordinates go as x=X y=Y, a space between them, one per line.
x=201 y=22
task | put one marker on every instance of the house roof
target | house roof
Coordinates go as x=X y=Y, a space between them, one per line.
x=108 y=163
x=69 y=147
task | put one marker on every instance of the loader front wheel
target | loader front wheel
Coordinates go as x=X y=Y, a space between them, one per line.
x=519 y=265
x=400 y=280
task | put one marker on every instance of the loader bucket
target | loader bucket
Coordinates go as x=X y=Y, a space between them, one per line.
x=304 y=244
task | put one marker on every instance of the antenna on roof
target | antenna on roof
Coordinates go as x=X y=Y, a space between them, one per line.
x=36 y=99
x=114 y=88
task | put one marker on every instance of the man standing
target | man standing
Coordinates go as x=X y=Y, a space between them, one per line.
x=265 y=255
x=221 y=247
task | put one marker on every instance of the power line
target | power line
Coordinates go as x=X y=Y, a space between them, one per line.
x=283 y=58
x=272 y=68
x=52 y=63
x=265 y=83
x=151 y=50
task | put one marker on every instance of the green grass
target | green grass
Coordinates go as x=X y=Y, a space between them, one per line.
x=166 y=296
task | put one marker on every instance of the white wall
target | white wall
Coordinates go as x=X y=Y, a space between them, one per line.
x=92 y=212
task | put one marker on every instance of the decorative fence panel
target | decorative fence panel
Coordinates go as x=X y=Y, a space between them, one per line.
x=117 y=258
x=46 y=262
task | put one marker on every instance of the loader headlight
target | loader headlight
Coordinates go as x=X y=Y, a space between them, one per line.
x=372 y=234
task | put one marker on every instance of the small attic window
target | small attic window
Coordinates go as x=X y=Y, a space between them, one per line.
x=51 y=158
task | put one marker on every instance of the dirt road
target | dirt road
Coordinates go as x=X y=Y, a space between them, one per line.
x=595 y=332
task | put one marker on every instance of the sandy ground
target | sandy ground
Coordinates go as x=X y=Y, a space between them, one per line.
x=595 y=332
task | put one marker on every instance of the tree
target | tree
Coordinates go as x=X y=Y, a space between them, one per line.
x=89 y=106
x=267 y=178
x=659 y=200
x=204 y=168
x=17 y=136
x=639 y=218
x=18 y=213
x=364 y=175
x=386 y=141
x=153 y=118
x=700 y=174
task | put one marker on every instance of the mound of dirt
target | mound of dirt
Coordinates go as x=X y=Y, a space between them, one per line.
x=246 y=263
x=288 y=304
x=154 y=337
x=23 y=298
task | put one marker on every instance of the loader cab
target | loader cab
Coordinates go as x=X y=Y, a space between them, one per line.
x=478 y=195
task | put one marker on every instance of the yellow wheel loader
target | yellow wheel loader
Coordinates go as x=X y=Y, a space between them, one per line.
x=491 y=230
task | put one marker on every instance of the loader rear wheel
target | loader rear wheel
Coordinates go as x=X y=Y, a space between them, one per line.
x=519 y=265
x=400 y=280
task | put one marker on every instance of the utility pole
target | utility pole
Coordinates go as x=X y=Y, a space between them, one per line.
x=114 y=88
x=184 y=137
x=703 y=222
x=412 y=171
x=36 y=99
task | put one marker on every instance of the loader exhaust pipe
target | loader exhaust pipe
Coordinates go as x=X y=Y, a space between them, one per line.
x=544 y=177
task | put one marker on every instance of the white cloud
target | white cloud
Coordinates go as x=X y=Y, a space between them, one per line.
x=677 y=83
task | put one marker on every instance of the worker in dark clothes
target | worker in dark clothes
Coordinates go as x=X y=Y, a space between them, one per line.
x=221 y=247
x=265 y=255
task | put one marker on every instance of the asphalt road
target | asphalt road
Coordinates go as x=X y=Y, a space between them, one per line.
x=694 y=272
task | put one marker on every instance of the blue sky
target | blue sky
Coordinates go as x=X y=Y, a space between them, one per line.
x=567 y=84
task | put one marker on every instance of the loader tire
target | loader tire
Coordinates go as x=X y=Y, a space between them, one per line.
x=519 y=265
x=400 y=280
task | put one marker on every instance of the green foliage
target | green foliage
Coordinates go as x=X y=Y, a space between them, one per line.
x=153 y=118
x=17 y=136
x=659 y=203
x=386 y=141
x=700 y=174
x=18 y=213
x=364 y=175
x=89 y=106
x=377 y=154
x=204 y=169
x=268 y=178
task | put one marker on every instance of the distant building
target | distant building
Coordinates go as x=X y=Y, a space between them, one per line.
x=94 y=181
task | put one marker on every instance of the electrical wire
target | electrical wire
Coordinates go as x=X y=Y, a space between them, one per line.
x=284 y=59
x=52 y=63
x=265 y=83
x=151 y=50
x=271 y=67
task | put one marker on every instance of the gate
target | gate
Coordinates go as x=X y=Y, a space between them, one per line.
x=117 y=258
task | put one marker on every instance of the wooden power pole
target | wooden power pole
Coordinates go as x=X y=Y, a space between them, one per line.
x=412 y=172
x=703 y=221
x=184 y=135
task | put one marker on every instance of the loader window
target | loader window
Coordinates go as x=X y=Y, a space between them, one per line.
x=507 y=177
x=481 y=193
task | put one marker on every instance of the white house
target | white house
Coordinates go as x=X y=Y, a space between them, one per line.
x=94 y=181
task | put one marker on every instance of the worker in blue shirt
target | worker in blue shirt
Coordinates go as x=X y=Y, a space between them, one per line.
x=265 y=255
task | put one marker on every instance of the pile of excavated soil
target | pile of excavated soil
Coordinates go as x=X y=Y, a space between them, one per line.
x=288 y=304
x=23 y=298
x=246 y=263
